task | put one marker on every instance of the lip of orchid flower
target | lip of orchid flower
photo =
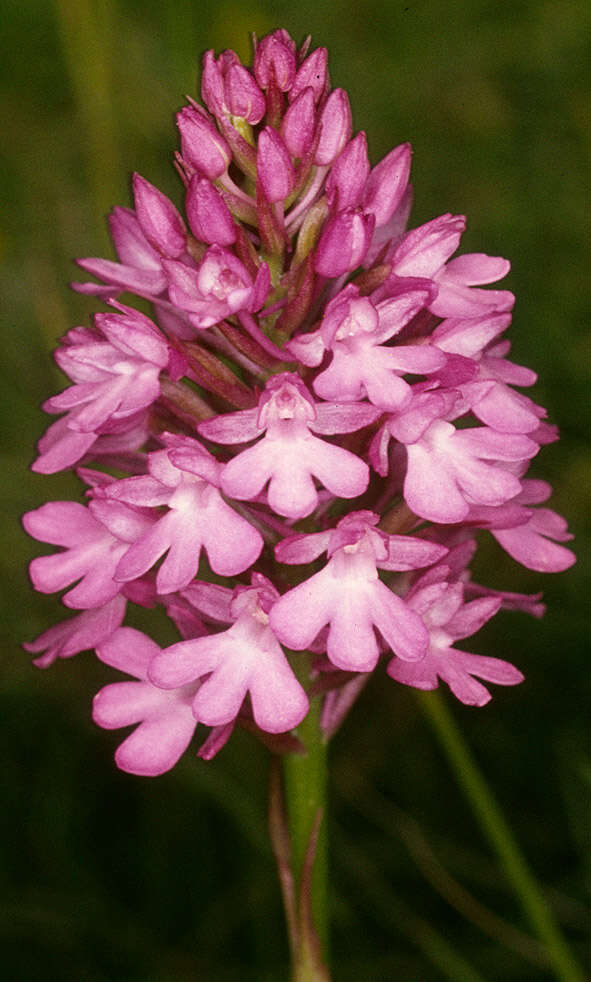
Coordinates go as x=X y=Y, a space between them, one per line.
x=166 y=721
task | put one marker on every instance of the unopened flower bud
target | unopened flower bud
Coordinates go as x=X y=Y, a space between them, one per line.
x=297 y=126
x=212 y=83
x=336 y=123
x=343 y=243
x=312 y=73
x=349 y=173
x=274 y=167
x=275 y=61
x=387 y=183
x=208 y=214
x=160 y=221
x=201 y=145
x=243 y=96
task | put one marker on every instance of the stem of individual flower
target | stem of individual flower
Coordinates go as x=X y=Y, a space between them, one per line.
x=305 y=790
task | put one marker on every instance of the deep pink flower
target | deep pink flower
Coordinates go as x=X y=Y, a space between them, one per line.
x=450 y=469
x=289 y=454
x=426 y=251
x=115 y=376
x=140 y=269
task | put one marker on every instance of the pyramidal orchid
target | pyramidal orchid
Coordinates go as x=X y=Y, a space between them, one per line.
x=319 y=407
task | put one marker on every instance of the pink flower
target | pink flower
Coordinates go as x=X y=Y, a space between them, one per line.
x=140 y=269
x=292 y=252
x=244 y=659
x=362 y=364
x=348 y=595
x=166 y=721
x=530 y=535
x=495 y=404
x=447 y=618
x=426 y=251
x=185 y=478
x=79 y=633
x=289 y=455
x=94 y=540
x=219 y=287
x=116 y=373
x=449 y=469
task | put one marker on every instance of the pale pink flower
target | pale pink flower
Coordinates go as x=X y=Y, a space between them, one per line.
x=348 y=594
x=289 y=454
x=185 y=478
x=94 y=540
x=448 y=619
x=244 y=659
x=165 y=718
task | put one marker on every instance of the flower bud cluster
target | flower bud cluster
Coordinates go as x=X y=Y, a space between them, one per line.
x=299 y=449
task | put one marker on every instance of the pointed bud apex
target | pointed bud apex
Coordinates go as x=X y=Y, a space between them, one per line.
x=297 y=126
x=275 y=61
x=336 y=123
x=312 y=73
x=387 y=183
x=160 y=221
x=344 y=241
x=208 y=214
x=348 y=174
x=274 y=167
x=201 y=145
x=212 y=84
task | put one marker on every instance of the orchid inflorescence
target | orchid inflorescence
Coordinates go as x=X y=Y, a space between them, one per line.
x=320 y=410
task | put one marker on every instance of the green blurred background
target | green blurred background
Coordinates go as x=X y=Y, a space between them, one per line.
x=110 y=877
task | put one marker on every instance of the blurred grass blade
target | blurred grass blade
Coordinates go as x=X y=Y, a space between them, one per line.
x=88 y=32
x=500 y=837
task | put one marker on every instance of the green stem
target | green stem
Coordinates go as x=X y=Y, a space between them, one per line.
x=501 y=837
x=305 y=787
